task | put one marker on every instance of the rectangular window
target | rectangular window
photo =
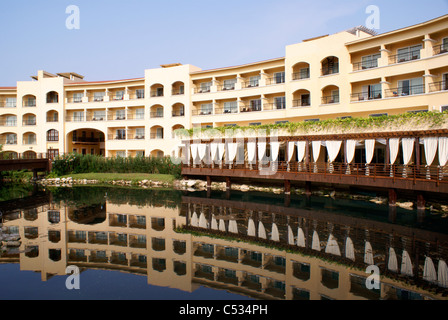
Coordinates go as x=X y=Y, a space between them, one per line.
x=78 y=116
x=98 y=96
x=11 y=102
x=140 y=133
x=205 y=87
x=254 y=123
x=372 y=91
x=120 y=134
x=140 y=93
x=207 y=108
x=121 y=154
x=77 y=97
x=99 y=115
x=230 y=107
x=411 y=87
x=280 y=102
x=11 y=138
x=254 y=81
x=255 y=105
x=370 y=61
x=279 y=77
x=140 y=113
x=409 y=53
x=229 y=84
x=159 y=133
x=119 y=95
x=120 y=114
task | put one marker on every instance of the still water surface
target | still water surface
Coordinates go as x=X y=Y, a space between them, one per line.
x=166 y=244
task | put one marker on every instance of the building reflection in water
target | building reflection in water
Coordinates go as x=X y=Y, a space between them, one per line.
x=264 y=251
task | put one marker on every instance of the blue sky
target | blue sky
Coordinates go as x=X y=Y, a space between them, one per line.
x=120 y=39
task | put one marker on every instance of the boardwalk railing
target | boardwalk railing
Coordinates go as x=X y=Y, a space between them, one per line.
x=374 y=171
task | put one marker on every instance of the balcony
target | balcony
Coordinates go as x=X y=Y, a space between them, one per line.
x=203 y=90
x=330 y=69
x=178 y=113
x=156 y=115
x=251 y=107
x=405 y=91
x=9 y=104
x=116 y=137
x=251 y=84
x=74 y=100
x=226 y=110
x=330 y=99
x=87 y=140
x=363 y=96
x=201 y=112
x=275 y=80
x=301 y=103
x=303 y=74
x=156 y=136
x=440 y=49
x=370 y=64
x=132 y=136
x=157 y=93
x=404 y=57
x=29 y=122
x=438 y=86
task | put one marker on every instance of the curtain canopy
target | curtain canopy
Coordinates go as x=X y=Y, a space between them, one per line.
x=333 y=148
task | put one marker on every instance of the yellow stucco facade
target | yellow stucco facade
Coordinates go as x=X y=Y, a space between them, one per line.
x=353 y=73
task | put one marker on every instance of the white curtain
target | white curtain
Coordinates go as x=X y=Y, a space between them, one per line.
x=443 y=155
x=301 y=148
x=202 y=151
x=251 y=155
x=274 y=233
x=261 y=230
x=370 y=149
x=221 y=148
x=406 y=264
x=333 y=148
x=316 y=152
x=392 y=265
x=202 y=221
x=315 y=244
x=194 y=220
x=233 y=227
x=275 y=147
x=349 y=249
x=350 y=148
x=222 y=225
x=251 y=228
x=194 y=151
x=394 y=146
x=408 y=147
x=290 y=236
x=332 y=246
x=214 y=223
x=442 y=274
x=300 y=238
x=430 y=144
x=429 y=271
x=261 y=146
x=291 y=146
x=213 y=151
x=232 y=149
x=368 y=254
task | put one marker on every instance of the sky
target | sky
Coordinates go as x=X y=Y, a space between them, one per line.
x=120 y=39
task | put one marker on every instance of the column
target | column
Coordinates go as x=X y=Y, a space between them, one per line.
x=384 y=60
x=392 y=197
x=428 y=47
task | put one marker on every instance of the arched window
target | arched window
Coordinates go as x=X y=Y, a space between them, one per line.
x=52 y=135
x=52 y=97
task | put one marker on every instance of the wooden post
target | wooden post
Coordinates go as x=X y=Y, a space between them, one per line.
x=308 y=188
x=392 y=197
x=287 y=187
x=209 y=182
x=417 y=155
x=420 y=207
x=228 y=183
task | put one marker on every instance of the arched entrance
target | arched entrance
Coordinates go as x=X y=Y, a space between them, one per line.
x=86 y=141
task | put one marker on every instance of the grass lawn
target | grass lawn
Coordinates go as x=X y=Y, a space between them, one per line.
x=122 y=176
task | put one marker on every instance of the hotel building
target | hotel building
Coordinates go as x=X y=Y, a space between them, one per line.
x=354 y=73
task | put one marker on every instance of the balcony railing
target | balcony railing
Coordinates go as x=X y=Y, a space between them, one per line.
x=116 y=117
x=440 y=49
x=29 y=122
x=369 y=64
x=116 y=137
x=74 y=100
x=275 y=80
x=438 y=86
x=226 y=87
x=51 y=119
x=156 y=93
x=362 y=96
x=8 y=104
x=178 y=113
x=75 y=119
x=29 y=104
x=8 y=141
x=403 y=57
x=136 y=116
x=178 y=92
x=274 y=106
x=250 y=108
x=136 y=137
x=301 y=103
x=201 y=112
x=405 y=91
x=8 y=123
x=135 y=96
x=156 y=135
x=93 y=98
x=226 y=110
x=202 y=90
x=305 y=74
x=330 y=99
x=330 y=69
x=156 y=115
x=251 y=84
x=85 y=139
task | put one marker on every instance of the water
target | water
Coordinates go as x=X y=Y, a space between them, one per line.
x=173 y=245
